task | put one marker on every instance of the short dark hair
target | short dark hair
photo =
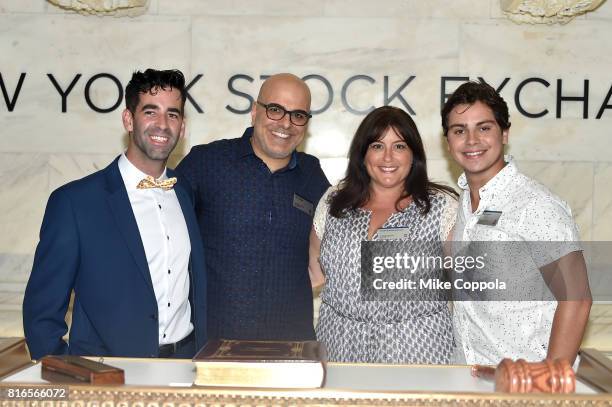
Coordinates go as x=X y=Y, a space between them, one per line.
x=151 y=79
x=472 y=92
x=354 y=189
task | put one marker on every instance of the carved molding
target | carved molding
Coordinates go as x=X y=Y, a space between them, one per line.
x=126 y=396
x=115 y=8
x=547 y=11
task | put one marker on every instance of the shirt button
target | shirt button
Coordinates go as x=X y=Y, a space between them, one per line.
x=164 y=335
x=159 y=206
x=168 y=304
x=167 y=237
x=168 y=271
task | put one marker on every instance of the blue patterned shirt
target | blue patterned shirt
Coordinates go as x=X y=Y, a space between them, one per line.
x=255 y=238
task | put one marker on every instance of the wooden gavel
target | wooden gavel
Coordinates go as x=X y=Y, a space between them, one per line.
x=547 y=376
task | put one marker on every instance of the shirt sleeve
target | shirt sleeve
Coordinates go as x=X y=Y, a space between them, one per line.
x=321 y=212
x=54 y=271
x=449 y=216
x=190 y=169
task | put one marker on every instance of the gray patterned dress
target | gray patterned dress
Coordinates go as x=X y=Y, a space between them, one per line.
x=380 y=331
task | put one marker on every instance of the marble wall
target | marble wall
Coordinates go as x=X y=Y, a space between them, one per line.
x=387 y=43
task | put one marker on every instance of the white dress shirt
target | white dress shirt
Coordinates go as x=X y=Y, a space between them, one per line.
x=167 y=247
x=487 y=331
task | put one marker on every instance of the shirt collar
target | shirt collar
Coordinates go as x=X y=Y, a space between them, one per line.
x=244 y=145
x=245 y=148
x=499 y=181
x=132 y=175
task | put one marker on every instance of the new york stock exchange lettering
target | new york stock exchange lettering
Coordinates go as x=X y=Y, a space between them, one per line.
x=388 y=90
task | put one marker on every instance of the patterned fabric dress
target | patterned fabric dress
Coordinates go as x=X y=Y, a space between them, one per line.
x=380 y=331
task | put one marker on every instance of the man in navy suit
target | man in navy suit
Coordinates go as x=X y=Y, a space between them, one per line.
x=126 y=241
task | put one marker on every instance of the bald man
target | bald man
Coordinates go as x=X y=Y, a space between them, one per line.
x=255 y=199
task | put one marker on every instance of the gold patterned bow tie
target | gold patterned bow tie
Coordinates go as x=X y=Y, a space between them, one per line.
x=150 y=182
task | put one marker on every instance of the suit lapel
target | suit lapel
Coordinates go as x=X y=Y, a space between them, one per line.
x=121 y=208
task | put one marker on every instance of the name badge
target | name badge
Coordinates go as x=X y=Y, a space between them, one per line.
x=302 y=204
x=489 y=218
x=393 y=233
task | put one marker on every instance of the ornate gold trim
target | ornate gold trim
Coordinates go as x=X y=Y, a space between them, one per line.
x=126 y=396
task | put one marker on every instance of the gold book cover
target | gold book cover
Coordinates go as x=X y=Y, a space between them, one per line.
x=270 y=364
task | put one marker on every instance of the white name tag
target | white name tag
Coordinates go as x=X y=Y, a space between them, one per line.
x=303 y=204
x=489 y=218
x=393 y=233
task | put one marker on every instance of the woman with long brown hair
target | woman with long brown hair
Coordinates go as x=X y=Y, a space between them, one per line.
x=386 y=188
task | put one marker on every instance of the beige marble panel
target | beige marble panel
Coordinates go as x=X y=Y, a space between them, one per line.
x=376 y=47
x=240 y=8
x=65 y=45
x=572 y=182
x=11 y=324
x=444 y=172
x=11 y=301
x=602 y=202
x=24 y=180
x=15 y=267
x=409 y=9
x=22 y=6
x=493 y=46
x=9 y=288
x=153 y=7
x=64 y=168
x=574 y=52
x=598 y=334
x=496 y=11
x=568 y=140
x=334 y=168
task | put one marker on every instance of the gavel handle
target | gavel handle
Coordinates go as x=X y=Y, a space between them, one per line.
x=484 y=372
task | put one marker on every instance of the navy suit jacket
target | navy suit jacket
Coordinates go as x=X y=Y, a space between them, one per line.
x=90 y=243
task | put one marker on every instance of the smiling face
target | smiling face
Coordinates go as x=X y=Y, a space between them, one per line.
x=273 y=141
x=155 y=128
x=476 y=142
x=388 y=161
